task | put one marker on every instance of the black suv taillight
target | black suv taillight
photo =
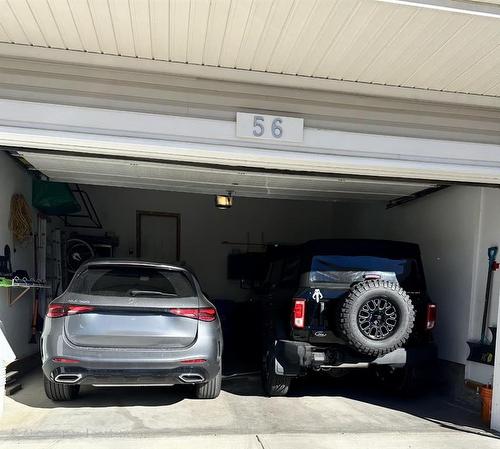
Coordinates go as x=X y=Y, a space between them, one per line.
x=431 y=316
x=299 y=313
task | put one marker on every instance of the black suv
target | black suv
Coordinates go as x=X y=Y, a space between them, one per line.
x=332 y=305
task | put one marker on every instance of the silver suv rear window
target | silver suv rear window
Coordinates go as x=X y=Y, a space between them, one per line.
x=126 y=281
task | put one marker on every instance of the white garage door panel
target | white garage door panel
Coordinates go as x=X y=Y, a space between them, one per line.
x=74 y=165
x=468 y=171
x=210 y=181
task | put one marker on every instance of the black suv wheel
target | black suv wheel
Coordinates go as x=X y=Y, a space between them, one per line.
x=274 y=384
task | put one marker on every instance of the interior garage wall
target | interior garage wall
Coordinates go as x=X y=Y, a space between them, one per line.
x=488 y=235
x=16 y=318
x=445 y=225
x=204 y=228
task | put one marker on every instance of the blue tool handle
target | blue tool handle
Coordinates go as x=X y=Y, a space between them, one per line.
x=492 y=253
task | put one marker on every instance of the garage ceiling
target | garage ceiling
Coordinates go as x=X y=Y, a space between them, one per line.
x=365 y=41
x=179 y=178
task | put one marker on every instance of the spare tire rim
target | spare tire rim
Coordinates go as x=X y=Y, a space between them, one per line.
x=378 y=318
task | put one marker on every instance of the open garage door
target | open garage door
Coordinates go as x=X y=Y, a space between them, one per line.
x=271 y=207
x=193 y=178
x=275 y=207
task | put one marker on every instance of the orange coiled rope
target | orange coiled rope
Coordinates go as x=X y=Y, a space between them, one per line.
x=20 y=222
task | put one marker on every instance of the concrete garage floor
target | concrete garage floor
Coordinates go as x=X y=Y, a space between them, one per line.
x=321 y=413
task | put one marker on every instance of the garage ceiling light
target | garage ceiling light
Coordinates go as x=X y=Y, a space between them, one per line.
x=224 y=201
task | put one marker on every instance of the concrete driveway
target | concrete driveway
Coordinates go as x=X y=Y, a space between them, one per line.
x=321 y=413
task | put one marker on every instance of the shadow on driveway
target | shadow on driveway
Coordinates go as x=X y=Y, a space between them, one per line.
x=431 y=405
x=33 y=395
x=315 y=403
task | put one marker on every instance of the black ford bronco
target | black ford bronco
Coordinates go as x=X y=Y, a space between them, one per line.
x=333 y=305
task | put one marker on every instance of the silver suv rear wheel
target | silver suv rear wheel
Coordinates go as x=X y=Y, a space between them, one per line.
x=60 y=392
x=210 y=389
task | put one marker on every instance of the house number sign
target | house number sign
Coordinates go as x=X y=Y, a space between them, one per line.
x=276 y=128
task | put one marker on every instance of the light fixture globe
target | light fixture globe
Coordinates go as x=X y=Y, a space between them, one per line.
x=223 y=201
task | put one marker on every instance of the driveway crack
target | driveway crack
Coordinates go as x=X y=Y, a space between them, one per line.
x=260 y=442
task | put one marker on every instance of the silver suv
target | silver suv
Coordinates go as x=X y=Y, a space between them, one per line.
x=123 y=322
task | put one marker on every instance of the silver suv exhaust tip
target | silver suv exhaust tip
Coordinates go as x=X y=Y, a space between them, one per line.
x=191 y=378
x=68 y=378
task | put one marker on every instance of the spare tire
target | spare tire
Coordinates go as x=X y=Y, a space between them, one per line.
x=377 y=317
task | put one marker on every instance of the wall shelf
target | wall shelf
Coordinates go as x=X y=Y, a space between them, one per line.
x=16 y=284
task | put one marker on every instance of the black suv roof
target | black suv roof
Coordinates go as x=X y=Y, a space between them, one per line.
x=355 y=247
x=386 y=248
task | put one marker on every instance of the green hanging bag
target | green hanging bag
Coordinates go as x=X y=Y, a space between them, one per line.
x=54 y=198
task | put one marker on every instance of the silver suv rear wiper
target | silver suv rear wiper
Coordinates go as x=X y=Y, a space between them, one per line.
x=150 y=292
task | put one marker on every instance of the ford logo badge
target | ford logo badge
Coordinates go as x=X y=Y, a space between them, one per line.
x=320 y=334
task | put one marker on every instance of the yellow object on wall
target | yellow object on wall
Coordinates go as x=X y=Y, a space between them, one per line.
x=20 y=222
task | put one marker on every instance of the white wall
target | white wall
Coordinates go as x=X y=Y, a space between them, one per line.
x=445 y=225
x=204 y=228
x=16 y=318
x=487 y=236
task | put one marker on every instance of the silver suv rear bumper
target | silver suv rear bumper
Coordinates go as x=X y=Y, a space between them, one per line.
x=134 y=366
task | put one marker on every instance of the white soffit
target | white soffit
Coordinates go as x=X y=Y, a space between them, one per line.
x=435 y=45
x=192 y=179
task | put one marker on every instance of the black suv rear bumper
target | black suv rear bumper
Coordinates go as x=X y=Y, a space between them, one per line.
x=294 y=358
